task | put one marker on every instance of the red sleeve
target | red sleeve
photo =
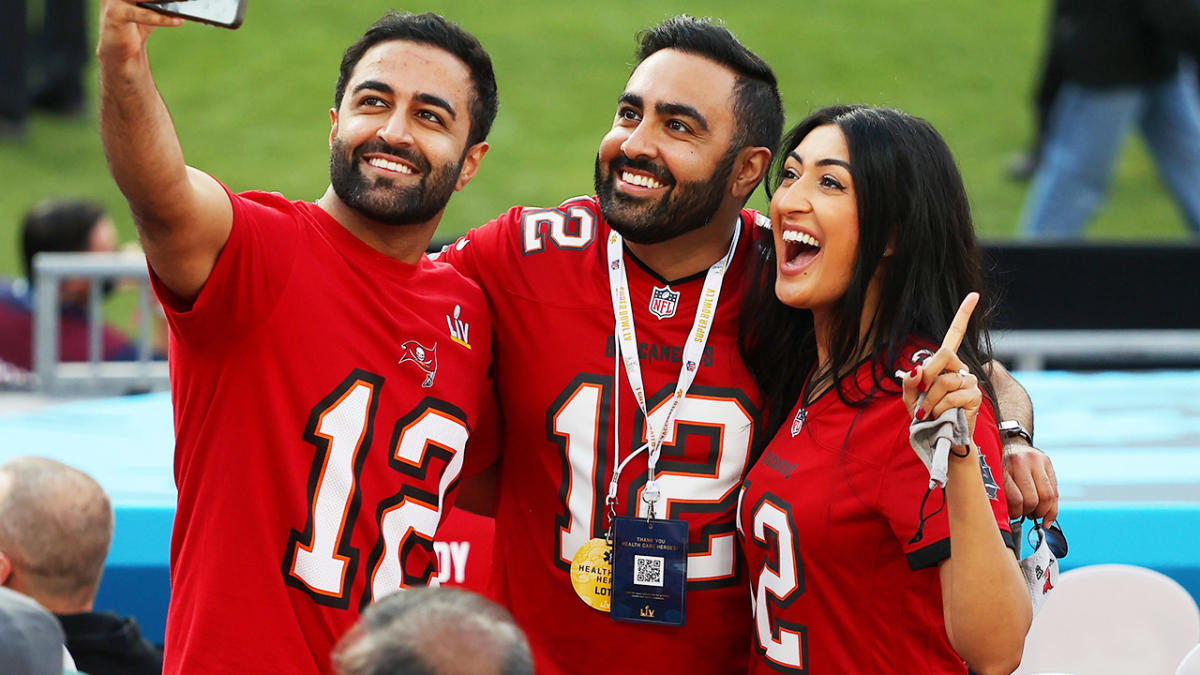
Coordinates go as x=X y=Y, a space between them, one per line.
x=906 y=484
x=248 y=277
x=483 y=445
x=480 y=253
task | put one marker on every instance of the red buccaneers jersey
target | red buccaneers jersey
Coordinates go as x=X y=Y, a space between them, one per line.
x=825 y=521
x=545 y=274
x=323 y=395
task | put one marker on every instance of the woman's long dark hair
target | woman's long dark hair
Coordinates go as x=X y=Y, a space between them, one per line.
x=910 y=196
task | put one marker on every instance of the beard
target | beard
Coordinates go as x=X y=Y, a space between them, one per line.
x=685 y=206
x=380 y=198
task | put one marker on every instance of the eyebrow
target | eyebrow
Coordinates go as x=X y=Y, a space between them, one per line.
x=667 y=109
x=431 y=99
x=435 y=100
x=823 y=162
x=681 y=110
x=375 y=85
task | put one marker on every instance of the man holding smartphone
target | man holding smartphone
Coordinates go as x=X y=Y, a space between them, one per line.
x=325 y=373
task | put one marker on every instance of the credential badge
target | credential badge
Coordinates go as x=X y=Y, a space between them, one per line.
x=663 y=302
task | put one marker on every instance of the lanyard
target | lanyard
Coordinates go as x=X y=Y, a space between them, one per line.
x=626 y=338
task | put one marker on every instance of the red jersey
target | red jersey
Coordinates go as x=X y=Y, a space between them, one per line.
x=323 y=394
x=825 y=521
x=546 y=276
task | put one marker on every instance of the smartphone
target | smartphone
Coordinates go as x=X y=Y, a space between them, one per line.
x=223 y=13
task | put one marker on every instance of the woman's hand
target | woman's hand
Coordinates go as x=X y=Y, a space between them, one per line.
x=945 y=379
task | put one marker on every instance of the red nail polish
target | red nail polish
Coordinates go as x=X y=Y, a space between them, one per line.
x=920 y=414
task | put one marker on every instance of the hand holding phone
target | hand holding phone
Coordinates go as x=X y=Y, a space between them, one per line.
x=223 y=13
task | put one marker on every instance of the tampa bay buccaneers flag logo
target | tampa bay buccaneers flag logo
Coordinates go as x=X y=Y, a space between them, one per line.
x=424 y=357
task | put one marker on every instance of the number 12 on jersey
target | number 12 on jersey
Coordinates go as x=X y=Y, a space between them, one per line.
x=782 y=643
x=321 y=560
x=719 y=420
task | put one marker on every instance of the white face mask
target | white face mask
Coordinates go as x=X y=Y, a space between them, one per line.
x=1040 y=569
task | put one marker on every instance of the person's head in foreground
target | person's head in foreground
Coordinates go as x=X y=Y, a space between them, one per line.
x=31 y=640
x=434 y=631
x=56 y=525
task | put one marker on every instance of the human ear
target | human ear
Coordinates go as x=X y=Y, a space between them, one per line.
x=471 y=164
x=750 y=168
x=890 y=249
x=5 y=569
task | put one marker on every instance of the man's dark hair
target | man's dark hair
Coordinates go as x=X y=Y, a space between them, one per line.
x=758 y=108
x=57 y=226
x=425 y=631
x=435 y=31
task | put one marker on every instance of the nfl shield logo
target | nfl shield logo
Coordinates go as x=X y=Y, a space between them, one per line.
x=798 y=421
x=663 y=302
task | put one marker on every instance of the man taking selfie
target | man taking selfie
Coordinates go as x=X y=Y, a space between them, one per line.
x=325 y=373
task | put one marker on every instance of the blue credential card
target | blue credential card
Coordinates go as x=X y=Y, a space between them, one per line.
x=649 y=570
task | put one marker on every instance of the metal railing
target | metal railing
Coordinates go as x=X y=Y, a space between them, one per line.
x=94 y=376
x=1020 y=349
x=1031 y=349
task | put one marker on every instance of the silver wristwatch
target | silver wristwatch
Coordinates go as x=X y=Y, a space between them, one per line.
x=1012 y=428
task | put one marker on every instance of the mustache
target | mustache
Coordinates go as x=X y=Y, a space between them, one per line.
x=407 y=154
x=658 y=171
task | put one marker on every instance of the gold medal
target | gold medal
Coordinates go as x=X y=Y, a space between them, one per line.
x=591 y=574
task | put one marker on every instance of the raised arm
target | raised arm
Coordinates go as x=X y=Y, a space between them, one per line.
x=986 y=606
x=183 y=215
x=1029 y=481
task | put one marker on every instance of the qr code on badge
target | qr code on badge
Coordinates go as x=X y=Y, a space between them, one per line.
x=647 y=570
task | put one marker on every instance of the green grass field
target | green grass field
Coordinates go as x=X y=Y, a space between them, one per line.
x=251 y=105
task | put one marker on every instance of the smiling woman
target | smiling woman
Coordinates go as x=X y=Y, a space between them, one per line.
x=816 y=208
x=849 y=555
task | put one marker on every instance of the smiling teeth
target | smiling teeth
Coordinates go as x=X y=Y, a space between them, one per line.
x=800 y=238
x=640 y=180
x=391 y=166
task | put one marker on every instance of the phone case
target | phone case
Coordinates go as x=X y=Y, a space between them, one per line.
x=223 y=13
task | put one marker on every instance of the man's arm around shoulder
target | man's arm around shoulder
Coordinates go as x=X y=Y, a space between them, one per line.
x=1029 y=480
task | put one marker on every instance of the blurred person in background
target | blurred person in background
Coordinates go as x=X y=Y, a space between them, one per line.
x=1023 y=163
x=429 y=631
x=56 y=526
x=60 y=225
x=41 y=61
x=1123 y=63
